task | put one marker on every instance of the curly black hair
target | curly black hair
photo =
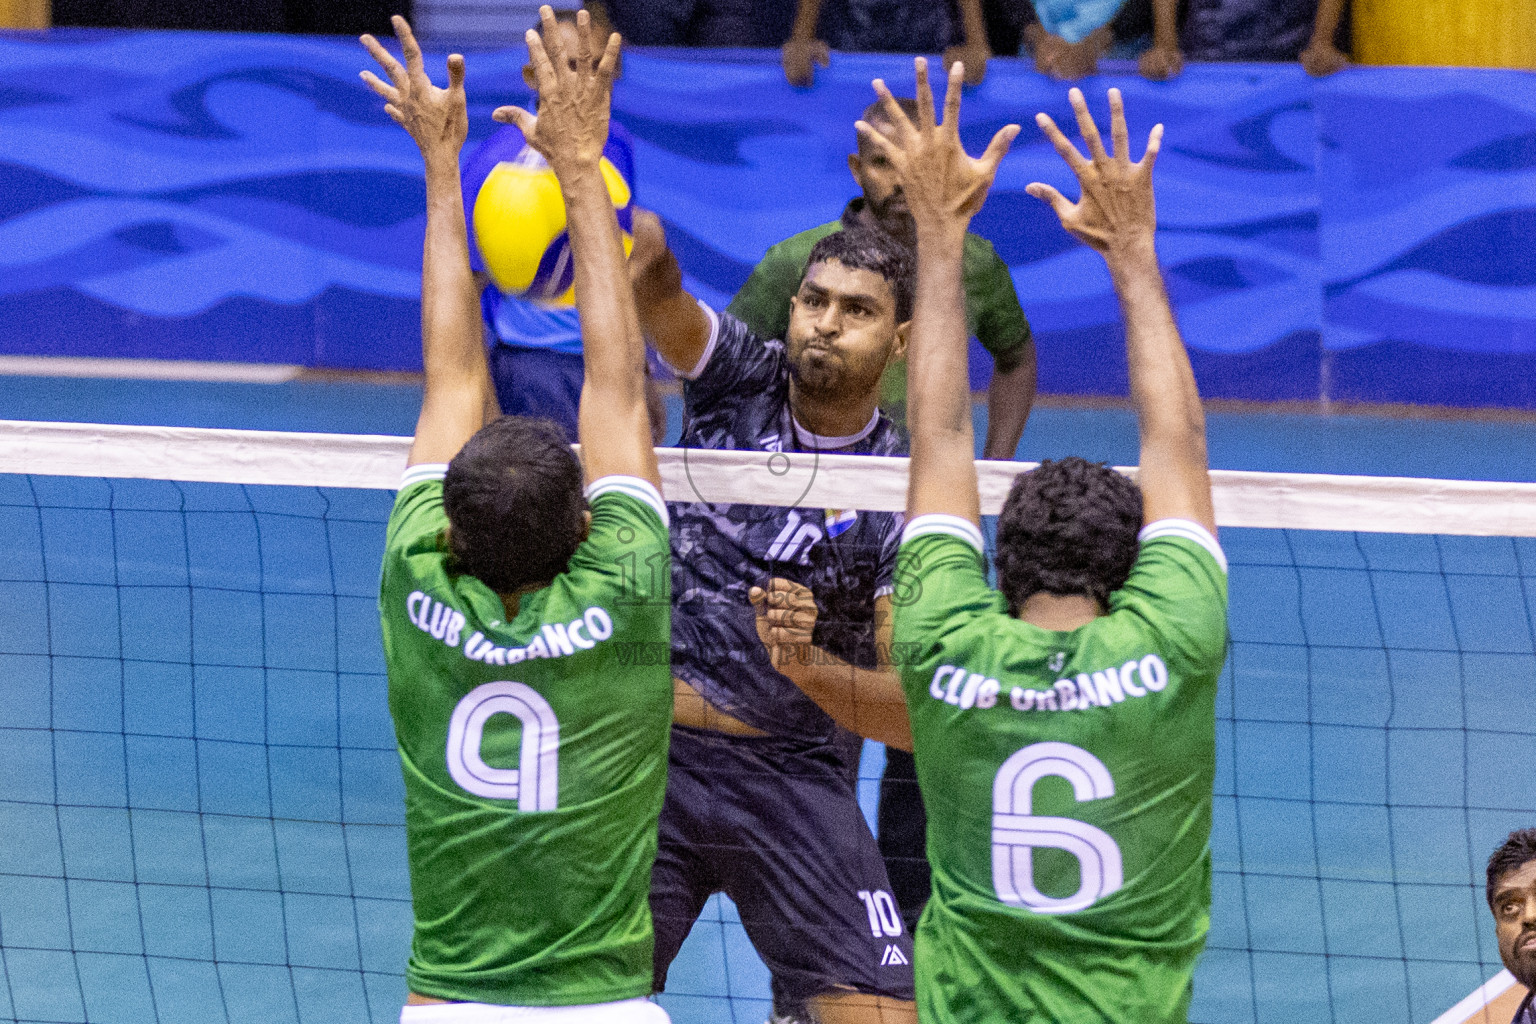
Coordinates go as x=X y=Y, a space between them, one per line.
x=865 y=248
x=1515 y=852
x=1068 y=527
x=515 y=505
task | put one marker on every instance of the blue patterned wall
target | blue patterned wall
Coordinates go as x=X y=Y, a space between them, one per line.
x=1368 y=238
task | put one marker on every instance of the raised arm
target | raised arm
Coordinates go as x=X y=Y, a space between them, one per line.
x=669 y=316
x=944 y=189
x=454 y=401
x=570 y=131
x=1117 y=217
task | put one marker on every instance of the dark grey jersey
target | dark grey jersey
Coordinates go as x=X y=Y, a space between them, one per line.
x=737 y=399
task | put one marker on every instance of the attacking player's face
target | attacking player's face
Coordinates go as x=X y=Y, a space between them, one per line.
x=1514 y=915
x=883 y=195
x=842 y=331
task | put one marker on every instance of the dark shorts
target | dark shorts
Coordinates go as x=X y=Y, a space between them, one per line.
x=775 y=825
x=903 y=824
x=538 y=382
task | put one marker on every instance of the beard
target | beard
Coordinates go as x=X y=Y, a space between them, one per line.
x=828 y=375
x=1523 y=966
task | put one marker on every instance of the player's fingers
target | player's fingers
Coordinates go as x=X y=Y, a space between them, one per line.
x=554 y=44
x=998 y=147
x=526 y=122
x=1154 y=147
x=924 y=94
x=1062 y=144
x=897 y=117
x=543 y=70
x=456 y=72
x=1086 y=125
x=375 y=83
x=758 y=596
x=1050 y=197
x=585 y=53
x=408 y=45
x=608 y=67
x=952 y=97
x=394 y=112
x=386 y=60
x=1119 y=135
x=869 y=136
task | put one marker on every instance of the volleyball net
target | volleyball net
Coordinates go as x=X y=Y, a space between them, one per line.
x=201 y=813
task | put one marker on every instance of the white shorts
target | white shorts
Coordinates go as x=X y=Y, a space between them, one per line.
x=625 y=1011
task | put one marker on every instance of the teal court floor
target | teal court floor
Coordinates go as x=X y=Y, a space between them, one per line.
x=200 y=813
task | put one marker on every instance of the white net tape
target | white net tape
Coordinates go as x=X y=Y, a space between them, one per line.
x=1300 y=501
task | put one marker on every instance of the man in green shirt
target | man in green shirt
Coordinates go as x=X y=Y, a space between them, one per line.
x=1064 y=724
x=992 y=312
x=520 y=612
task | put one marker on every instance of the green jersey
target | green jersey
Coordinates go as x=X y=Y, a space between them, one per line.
x=1068 y=780
x=992 y=312
x=534 y=753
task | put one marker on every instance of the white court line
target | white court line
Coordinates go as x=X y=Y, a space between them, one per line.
x=147 y=369
x=1485 y=993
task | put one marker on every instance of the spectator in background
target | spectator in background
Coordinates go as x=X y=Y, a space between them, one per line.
x=535 y=348
x=1311 y=31
x=1512 y=898
x=697 y=22
x=954 y=28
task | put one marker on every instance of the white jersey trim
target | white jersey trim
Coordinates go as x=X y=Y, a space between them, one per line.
x=422 y=472
x=818 y=442
x=635 y=487
x=709 y=346
x=885 y=591
x=1188 y=530
x=952 y=526
x=626 y=1011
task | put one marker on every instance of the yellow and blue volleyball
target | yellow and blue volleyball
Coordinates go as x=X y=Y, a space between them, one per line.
x=516 y=215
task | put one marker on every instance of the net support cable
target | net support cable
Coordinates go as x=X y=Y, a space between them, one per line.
x=1307 y=501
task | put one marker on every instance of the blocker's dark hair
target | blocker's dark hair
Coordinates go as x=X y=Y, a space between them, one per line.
x=875 y=251
x=1068 y=527
x=1516 y=852
x=514 y=501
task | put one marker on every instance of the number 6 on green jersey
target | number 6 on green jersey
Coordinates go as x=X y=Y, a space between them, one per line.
x=1016 y=832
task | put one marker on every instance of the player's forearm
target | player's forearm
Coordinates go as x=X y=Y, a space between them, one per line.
x=866 y=702
x=943 y=470
x=1009 y=399
x=1172 y=422
x=669 y=316
x=612 y=348
x=453 y=354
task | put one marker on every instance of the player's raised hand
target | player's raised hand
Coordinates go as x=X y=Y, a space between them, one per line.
x=944 y=187
x=575 y=92
x=436 y=118
x=1117 y=212
x=786 y=618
